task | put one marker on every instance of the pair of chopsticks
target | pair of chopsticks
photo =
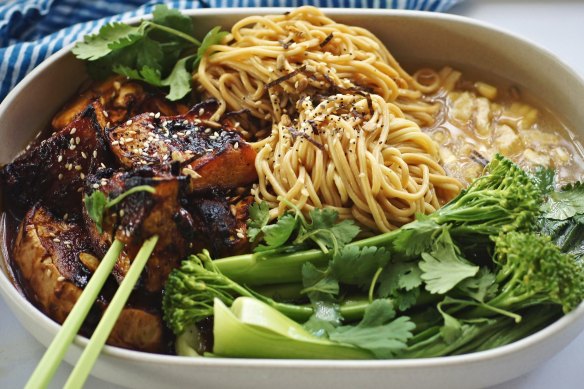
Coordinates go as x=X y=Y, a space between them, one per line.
x=56 y=351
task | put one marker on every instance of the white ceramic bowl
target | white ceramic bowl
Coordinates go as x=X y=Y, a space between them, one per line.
x=412 y=36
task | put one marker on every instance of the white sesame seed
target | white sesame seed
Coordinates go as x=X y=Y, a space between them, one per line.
x=129 y=122
x=57 y=240
x=105 y=114
x=28 y=147
x=78 y=167
x=82 y=176
x=60 y=278
x=208 y=130
x=129 y=140
x=60 y=176
x=102 y=165
x=151 y=114
x=67 y=242
x=185 y=122
x=59 y=158
x=157 y=115
x=201 y=111
x=83 y=154
x=72 y=141
x=115 y=142
x=94 y=153
x=77 y=140
x=240 y=235
x=236 y=146
x=66 y=216
x=73 y=131
x=95 y=186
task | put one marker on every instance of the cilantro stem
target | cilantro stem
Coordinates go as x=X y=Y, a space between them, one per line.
x=178 y=33
x=373 y=282
x=136 y=189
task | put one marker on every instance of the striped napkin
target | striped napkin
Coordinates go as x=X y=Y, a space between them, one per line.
x=32 y=30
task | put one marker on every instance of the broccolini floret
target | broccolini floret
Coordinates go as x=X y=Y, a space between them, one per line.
x=534 y=271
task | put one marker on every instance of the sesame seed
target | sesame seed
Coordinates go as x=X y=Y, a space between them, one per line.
x=121 y=213
x=240 y=235
x=59 y=158
x=208 y=130
x=102 y=165
x=60 y=278
x=115 y=142
x=66 y=216
x=57 y=240
x=28 y=147
x=185 y=122
x=72 y=141
x=157 y=115
x=151 y=114
x=236 y=146
x=95 y=186
x=82 y=176
x=105 y=114
x=94 y=153
x=73 y=131
x=129 y=122
x=201 y=111
x=77 y=140
x=67 y=242
x=78 y=167
x=60 y=176
x=151 y=126
x=129 y=140
x=83 y=154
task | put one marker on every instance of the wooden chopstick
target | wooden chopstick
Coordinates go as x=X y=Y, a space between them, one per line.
x=91 y=353
x=48 y=364
x=58 y=347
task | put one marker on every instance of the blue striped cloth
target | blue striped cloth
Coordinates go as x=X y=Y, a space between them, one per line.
x=32 y=30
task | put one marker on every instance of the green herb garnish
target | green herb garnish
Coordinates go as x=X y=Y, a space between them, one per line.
x=161 y=52
x=97 y=203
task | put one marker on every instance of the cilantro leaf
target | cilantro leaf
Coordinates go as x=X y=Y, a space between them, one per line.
x=172 y=17
x=416 y=237
x=481 y=287
x=443 y=268
x=406 y=275
x=326 y=232
x=377 y=332
x=356 y=266
x=566 y=203
x=277 y=234
x=111 y=37
x=213 y=37
x=179 y=80
x=158 y=52
x=95 y=205
x=405 y=299
x=318 y=284
x=544 y=179
x=259 y=216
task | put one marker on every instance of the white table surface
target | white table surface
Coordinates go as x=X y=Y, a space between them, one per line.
x=555 y=25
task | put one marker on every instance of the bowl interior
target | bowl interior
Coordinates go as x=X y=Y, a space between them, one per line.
x=412 y=37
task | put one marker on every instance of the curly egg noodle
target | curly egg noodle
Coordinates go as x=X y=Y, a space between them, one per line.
x=338 y=120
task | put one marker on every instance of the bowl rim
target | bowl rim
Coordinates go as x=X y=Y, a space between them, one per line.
x=9 y=291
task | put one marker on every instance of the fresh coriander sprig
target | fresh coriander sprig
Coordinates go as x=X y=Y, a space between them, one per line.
x=97 y=202
x=161 y=52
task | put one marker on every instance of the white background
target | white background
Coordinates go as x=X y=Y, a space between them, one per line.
x=555 y=25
